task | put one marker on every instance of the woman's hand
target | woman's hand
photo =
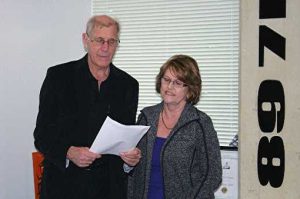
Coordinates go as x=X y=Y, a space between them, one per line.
x=131 y=157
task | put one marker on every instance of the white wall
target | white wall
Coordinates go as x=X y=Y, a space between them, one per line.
x=269 y=136
x=34 y=35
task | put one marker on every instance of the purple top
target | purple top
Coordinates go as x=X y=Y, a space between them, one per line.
x=156 y=187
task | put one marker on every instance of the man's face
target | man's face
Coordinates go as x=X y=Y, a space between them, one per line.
x=100 y=46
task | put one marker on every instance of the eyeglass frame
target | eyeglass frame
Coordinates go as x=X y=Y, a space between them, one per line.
x=101 y=41
x=175 y=83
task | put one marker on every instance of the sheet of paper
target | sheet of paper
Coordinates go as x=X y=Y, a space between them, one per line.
x=229 y=187
x=114 y=138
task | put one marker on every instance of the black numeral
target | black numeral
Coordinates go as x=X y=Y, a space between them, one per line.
x=271 y=106
x=273 y=41
x=270 y=161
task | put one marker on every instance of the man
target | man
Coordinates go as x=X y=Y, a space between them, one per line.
x=75 y=99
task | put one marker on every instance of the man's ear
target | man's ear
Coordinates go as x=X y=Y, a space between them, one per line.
x=84 y=41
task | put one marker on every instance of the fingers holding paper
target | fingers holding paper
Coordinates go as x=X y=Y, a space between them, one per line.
x=82 y=156
x=131 y=157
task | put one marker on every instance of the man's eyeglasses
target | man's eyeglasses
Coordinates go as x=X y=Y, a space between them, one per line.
x=99 y=41
x=176 y=83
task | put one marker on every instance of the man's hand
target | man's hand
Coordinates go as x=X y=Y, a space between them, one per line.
x=131 y=157
x=81 y=156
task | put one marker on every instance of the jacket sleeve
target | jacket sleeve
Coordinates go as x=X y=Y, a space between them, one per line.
x=135 y=177
x=212 y=162
x=48 y=138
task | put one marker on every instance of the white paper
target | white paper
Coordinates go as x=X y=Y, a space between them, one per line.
x=229 y=186
x=114 y=138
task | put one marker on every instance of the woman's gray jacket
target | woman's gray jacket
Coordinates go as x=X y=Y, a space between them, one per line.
x=190 y=157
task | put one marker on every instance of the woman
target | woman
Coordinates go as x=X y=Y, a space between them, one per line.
x=180 y=152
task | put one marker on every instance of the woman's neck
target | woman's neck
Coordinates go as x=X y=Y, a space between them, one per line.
x=173 y=110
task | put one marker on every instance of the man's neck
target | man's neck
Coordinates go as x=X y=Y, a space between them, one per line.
x=100 y=73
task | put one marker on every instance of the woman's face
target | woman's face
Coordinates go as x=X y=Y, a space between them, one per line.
x=172 y=90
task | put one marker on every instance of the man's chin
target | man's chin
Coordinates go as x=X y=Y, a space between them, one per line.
x=104 y=64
